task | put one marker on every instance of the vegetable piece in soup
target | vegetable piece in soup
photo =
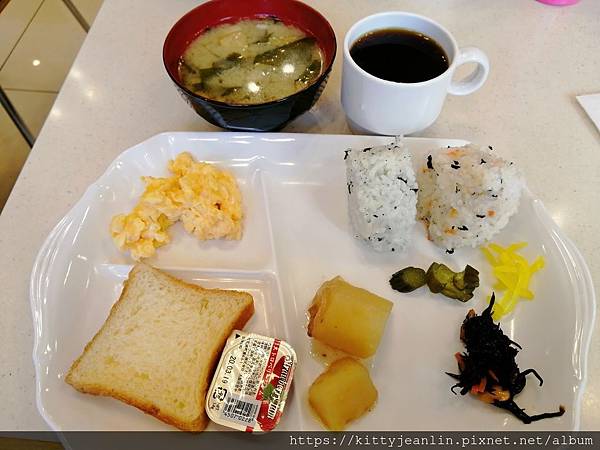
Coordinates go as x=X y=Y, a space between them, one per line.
x=250 y=62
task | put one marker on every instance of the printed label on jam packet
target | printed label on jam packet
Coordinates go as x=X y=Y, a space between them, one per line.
x=251 y=383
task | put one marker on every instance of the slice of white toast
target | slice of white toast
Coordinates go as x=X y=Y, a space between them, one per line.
x=159 y=346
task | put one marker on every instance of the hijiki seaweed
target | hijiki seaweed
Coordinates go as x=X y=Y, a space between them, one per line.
x=488 y=368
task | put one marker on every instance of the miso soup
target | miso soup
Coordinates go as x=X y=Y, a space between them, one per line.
x=250 y=62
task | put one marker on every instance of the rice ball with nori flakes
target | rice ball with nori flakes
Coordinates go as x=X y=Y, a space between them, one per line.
x=382 y=195
x=467 y=195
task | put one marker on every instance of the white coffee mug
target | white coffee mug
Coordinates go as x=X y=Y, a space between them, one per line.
x=386 y=107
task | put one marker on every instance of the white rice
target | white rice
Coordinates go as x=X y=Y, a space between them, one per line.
x=382 y=196
x=467 y=195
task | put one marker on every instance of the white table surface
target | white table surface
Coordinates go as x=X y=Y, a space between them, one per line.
x=117 y=94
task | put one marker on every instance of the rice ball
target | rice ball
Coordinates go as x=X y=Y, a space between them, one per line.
x=467 y=195
x=382 y=195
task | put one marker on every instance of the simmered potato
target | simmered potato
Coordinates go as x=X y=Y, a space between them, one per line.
x=342 y=393
x=348 y=318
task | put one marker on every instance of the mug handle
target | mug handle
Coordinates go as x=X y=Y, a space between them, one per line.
x=476 y=78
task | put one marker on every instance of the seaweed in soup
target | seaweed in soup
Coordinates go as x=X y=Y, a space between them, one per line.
x=250 y=62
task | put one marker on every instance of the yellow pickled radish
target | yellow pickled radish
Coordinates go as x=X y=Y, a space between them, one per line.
x=516 y=246
x=538 y=264
x=527 y=294
x=513 y=274
x=489 y=256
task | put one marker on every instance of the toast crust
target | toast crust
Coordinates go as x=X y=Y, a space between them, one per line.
x=200 y=422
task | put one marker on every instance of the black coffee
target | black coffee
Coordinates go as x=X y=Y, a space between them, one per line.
x=399 y=55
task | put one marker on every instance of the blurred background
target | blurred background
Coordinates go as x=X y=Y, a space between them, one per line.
x=39 y=40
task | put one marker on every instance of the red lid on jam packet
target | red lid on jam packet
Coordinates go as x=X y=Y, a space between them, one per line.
x=251 y=383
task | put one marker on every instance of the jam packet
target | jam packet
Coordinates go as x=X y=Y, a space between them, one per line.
x=251 y=383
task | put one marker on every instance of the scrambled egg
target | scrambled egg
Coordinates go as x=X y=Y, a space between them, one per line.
x=205 y=199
